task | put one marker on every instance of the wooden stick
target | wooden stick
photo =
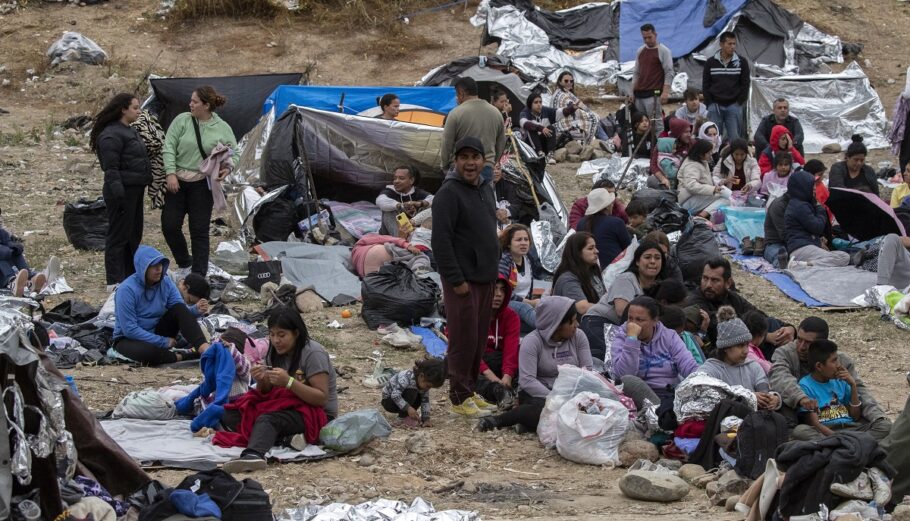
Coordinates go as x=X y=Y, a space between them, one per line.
x=507 y=469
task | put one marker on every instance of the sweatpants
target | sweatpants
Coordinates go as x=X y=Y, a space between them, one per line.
x=820 y=256
x=893 y=263
x=878 y=429
x=541 y=143
x=527 y=413
x=124 y=232
x=268 y=429
x=467 y=321
x=412 y=396
x=489 y=390
x=177 y=319
x=193 y=200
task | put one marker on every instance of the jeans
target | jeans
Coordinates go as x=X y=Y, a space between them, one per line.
x=177 y=319
x=267 y=430
x=728 y=119
x=526 y=314
x=772 y=251
x=193 y=200
x=10 y=268
x=124 y=232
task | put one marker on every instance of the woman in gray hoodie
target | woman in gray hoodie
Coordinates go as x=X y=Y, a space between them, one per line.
x=556 y=341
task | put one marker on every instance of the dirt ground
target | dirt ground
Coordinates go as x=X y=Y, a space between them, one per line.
x=505 y=476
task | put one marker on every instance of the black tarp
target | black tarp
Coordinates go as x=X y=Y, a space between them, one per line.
x=578 y=29
x=245 y=97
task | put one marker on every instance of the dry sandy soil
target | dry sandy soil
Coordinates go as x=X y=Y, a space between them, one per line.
x=506 y=476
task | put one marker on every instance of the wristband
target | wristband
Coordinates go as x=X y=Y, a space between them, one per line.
x=290 y=382
x=856 y=404
x=632 y=337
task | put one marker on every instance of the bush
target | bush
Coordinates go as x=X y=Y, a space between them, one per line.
x=199 y=9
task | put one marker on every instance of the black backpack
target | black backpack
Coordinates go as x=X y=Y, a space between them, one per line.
x=757 y=440
x=238 y=500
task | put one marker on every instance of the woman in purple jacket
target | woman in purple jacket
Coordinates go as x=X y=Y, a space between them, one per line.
x=644 y=351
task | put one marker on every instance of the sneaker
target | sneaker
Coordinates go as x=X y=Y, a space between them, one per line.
x=415 y=338
x=38 y=283
x=881 y=486
x=388 y=328
x=399 y=339
x=53 y=269
x=469 y=409
x=507 y=401
x=20 y=283
x=110 y=288
x=481 y=403
x=298 y=442
x=550 y=159
x=246 y=463
x=759 y=246
x=859 y=488
x=485 y=424
x=747 y=247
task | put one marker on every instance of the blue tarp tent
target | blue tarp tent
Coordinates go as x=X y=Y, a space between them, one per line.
x=679 y=24
x=357 y=99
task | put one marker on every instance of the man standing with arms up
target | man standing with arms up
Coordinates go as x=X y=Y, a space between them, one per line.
x=467 y=256
x=476 y=118
x=725 y=85
x=652 y=77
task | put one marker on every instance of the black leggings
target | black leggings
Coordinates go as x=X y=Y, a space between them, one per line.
x=194 y=200
x=268 y=429
x=177 y=319
x=527 y=413
x=410 y=395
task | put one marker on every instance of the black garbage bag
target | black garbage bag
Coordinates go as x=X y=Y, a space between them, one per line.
x=93 y=338
x=652 y=197
x=668 y=217
x=275 y=221
x=395 y=294
x=72 y=311
x=85 y=224
x=695 y=246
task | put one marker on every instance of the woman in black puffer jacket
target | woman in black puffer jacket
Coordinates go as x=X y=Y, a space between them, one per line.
x=127 y=171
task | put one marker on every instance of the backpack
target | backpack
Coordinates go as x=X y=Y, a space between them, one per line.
x=757 y=440
x=238 y=500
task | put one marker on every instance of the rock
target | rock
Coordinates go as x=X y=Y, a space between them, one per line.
x=366 y=460
x=901 y=513
x=653 y=486
x=308 y=301
x=587 y=153
x=690 y=472
x=672 y=464
x=703 y=480
x=573 y=147
x=728 y=485
x=420 y=443
x=573 y=158
x=469 y=487
x=711 y=489
x=831 y=148
x=634 y=450
x=560 y=155
x=600 y=154
x=731 y=503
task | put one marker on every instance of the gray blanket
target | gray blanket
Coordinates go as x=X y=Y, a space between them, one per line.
x=834 y=286
x=325 y=268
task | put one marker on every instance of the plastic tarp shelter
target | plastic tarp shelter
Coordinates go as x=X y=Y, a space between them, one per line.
x=245 y=96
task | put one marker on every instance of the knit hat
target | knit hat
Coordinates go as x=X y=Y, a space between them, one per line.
x=814 y=166
x=732 y=333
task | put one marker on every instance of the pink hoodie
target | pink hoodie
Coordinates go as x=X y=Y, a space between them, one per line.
x=756 y=354
x=367 y=258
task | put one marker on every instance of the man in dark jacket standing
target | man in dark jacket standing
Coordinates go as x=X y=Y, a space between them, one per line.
x=725 y=84
x=780 y=116
x=467 y=256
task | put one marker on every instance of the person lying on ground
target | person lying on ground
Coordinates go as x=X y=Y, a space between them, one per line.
x=407 y=394
x=731 y=364
x=808 y=229
x=697 y=192
x=578 y=275
x=834 y=391
x=609 y=232
x=295 y=395
x=674 y=318
x=226 y=376
x=708 y=132
x=556 y=341
x=757 y=323
x=577 y=212
x=894 y=262
x=195 y=291
x=374 y=250
x=901 y=191
x=15 y=272
x=671 y=269
x=778 y=176
x=692 y=108
x=737 y=169
x=717 y=289
x=780 y=115
x=402 y=196
x=669 y=153
x=642 y=276
x=150 y=313
x=538 y=125
x=644 y=351
x=781 y=141
x=499 y=366
x=853 y=172
x=520 y=266
x=790 y=363
x=390 y=105
x=582 y=124
x=638 y=215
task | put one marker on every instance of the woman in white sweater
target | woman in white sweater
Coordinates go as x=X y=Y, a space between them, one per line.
x=697 y=192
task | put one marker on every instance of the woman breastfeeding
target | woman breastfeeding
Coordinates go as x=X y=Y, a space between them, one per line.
x=294 y=397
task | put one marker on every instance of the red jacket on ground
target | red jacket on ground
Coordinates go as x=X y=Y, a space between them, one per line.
x=504 y=335
x=253 y=404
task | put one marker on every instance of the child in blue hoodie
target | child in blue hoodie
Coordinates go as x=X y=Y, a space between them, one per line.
x=150 y=313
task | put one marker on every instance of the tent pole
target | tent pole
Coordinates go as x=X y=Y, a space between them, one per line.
x=523 y=170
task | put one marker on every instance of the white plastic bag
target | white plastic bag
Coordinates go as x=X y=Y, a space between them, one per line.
x=147 y=404
x=73 y=46
x=353 y=429
x=620 y=264
x=589 y=429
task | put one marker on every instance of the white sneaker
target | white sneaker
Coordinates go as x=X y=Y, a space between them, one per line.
x=388 y=328
x=400 y=339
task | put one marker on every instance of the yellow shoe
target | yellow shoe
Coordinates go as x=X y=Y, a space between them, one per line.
x=469 y=409
x=482 y=404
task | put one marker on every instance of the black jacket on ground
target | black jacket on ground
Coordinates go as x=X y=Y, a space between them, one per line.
x=812 y=466
x=763 y=132
x=706 y=454
x=775 y=228
x=726 y=84
x=838 y=175
x=123 y=156
x=464 y=242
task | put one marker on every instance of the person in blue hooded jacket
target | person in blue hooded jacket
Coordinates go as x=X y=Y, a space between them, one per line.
x=150 y=313
x=806 y=224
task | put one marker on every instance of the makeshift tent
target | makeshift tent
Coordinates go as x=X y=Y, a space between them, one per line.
x=830 y=107
x=580 y=28
x=245 y=95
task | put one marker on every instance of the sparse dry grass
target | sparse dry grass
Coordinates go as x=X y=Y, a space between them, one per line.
x=190 y=10
x=394 y=42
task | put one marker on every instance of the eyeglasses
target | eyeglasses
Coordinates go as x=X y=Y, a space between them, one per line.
x=568 y=81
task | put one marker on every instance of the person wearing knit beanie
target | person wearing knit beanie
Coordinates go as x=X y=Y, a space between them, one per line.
x=732 y=333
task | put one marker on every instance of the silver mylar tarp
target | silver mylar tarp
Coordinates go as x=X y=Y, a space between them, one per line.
x=376 y=510
x=831 y=107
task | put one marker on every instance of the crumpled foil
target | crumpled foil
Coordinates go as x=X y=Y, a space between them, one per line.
x=219 y=323
x=875 y=297
x=21 y=456
x=549 y=251
x=612 y=168
x=376 y=510
x=698 y=394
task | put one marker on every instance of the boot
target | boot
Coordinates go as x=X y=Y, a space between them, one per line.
x=759 y=246
x=782 y=259
x=747 y=247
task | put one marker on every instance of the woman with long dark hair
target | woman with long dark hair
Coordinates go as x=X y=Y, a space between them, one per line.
x=578 y=275
x=127 y=171
x=582 y=124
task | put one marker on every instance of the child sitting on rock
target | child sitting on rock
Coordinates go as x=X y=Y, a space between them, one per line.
x=409 y=391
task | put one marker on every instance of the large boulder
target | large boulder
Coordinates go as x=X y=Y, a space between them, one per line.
x=653 y=486
x=633 y=450
x=690 y=471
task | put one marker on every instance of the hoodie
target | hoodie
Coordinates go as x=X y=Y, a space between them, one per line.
x=766 y=159
x=663 y=362
x=679 y=150
x=220 y=373
x=747 y=374
x=804 y=220
x=138 y=307
x=464 y=243
x=540 y=357
x=504 y=334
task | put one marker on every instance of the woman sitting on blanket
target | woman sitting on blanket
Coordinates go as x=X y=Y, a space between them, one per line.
x=582 y=124
x=294 y=397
